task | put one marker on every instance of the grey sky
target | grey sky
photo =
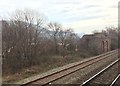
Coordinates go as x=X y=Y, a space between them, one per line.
x=83 y=16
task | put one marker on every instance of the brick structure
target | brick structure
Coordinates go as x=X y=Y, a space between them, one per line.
x=97 y=42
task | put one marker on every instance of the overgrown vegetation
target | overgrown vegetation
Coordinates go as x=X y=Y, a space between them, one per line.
x=114 y=34
x=29 y=41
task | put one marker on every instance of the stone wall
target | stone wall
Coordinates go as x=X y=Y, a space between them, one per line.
x=98 y=43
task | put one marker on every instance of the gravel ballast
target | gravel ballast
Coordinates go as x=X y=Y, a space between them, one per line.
x=83 y=74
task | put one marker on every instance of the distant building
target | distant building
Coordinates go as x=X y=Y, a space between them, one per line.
x=97 y=42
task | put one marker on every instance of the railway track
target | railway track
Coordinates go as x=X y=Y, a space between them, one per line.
x=115 y=80
x=62 y=73
x=87 y=82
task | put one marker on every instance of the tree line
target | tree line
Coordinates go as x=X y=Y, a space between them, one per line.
x=26 y=38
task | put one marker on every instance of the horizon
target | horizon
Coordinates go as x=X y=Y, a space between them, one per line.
x=81 y=16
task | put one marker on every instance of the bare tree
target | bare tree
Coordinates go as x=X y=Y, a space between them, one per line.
x=21 y=38
x=113 y=34
x=54 y=30
x=26 y=40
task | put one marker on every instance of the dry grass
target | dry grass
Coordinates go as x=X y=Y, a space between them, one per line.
x=46 y=64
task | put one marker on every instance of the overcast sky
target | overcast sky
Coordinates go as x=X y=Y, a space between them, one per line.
x=84 y=16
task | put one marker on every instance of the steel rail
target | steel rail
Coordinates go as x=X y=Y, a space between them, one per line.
x=114 y=81
x=73 y=71
x=100 y=72
x=105 y=54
